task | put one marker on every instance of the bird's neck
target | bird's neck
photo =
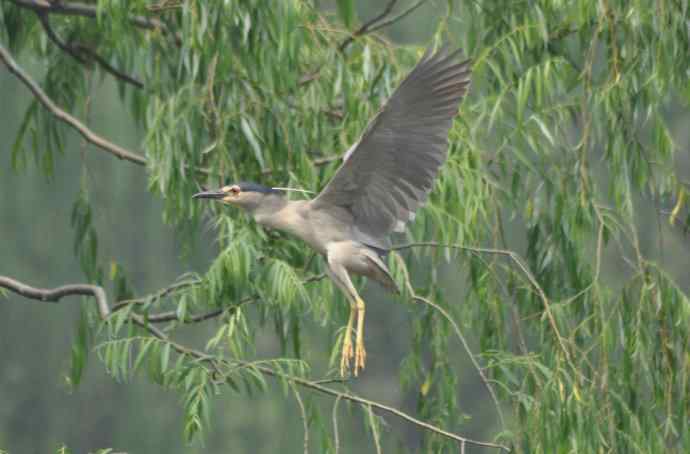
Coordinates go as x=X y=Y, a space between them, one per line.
x=277 y=212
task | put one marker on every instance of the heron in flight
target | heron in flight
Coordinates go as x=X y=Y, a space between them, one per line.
x=383 y=179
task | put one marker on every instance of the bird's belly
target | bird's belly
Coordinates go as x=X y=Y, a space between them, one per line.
x=351 y=255
x=324 y=231
x=319 y=240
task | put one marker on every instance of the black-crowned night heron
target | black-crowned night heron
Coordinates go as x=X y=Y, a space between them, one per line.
x=383 y=179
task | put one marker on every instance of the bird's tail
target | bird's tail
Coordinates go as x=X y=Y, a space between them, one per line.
x=381 y=274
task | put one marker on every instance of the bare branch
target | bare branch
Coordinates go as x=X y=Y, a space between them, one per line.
x=65 y=117
x=365 y=28
x=397 y=18
x=54 y=295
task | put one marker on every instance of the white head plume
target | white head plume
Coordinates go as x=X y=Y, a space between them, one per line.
x=304 y=191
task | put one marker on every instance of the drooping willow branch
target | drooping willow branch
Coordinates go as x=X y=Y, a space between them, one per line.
x=79 y=52
x=90 y=136
x=517 y=260
x=65 y=117
x=56 y=294
x=419 y=299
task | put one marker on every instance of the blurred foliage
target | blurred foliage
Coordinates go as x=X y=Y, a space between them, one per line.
x=564 y=137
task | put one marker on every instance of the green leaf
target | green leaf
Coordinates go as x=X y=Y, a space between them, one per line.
x=80 y=350
x=144 y=347
x=249 y=133
x=346 y=11
x=17 y=155
x=165 y=357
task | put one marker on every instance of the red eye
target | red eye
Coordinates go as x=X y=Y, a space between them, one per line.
x=235 y=189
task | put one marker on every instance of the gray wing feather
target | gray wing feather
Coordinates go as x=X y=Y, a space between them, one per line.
x=389 y=173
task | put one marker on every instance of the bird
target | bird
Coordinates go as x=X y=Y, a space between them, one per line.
x=382 y=180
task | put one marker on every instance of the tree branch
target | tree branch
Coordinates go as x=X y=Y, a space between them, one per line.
x=397 y=18
x=45 y=22
x=379 y=22
x=107 y=67
x=157 y=295
x=172 y=315
x=364 y=29
x=65 y=117
x=77 y=52
x=54 y=295
x=90 y=11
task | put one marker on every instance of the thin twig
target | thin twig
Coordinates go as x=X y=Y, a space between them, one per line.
x=397 y=18
x=172 y=316
x=374 y=430
x=303 y=413
x=65 y=117
x=364 y=29
x=158 y=295
x=326 y=381
x=336 y=438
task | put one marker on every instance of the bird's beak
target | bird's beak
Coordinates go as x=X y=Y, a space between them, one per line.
x=216 y=194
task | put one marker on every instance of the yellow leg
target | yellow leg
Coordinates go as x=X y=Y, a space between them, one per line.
x=347 y=352
x=360 y=353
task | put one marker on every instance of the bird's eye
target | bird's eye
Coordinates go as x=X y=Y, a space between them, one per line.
x=235 y=189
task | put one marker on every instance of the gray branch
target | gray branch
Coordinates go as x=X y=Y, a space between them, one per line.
x=54 y=295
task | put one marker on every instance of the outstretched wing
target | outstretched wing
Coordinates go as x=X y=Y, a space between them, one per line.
x=388 y=174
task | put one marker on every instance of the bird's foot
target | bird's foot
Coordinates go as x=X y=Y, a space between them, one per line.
x=346 y=355
x=360 y=356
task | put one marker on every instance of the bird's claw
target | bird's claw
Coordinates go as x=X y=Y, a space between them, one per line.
x=360 y=356
x=346 y=355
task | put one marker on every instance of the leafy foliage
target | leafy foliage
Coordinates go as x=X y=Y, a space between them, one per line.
x=564 y=139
